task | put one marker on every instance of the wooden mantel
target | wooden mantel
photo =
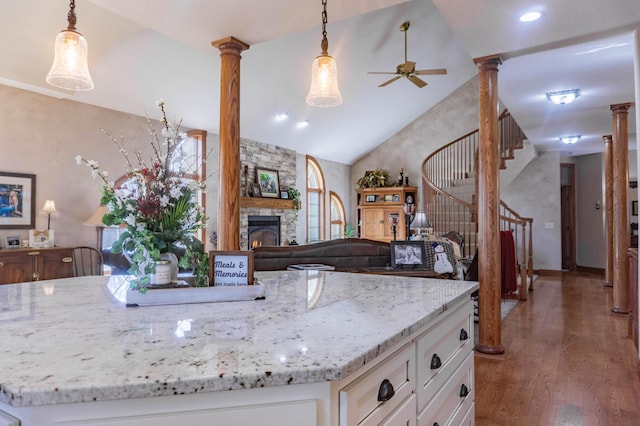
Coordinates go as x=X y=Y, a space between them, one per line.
x=265 y=203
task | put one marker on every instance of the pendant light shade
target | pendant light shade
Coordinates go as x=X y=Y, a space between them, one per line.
x=70 y=69
x=324 y=91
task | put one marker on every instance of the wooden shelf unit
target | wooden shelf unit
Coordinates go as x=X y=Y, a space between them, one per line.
x=375 y=205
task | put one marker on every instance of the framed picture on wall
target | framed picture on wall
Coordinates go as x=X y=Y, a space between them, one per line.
x=634 y=208
x=269 y=182
x=17 y=200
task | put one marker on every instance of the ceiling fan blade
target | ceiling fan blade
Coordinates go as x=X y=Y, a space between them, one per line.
x=390 y=81
x=381 y=72
x=415 y=80
x=437 y=71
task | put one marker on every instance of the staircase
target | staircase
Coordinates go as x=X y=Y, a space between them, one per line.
x=450 y=188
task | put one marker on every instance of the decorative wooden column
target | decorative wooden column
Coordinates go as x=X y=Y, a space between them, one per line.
x=608 y=209
x=229 y=163
x=489 y=260
x=620 y=208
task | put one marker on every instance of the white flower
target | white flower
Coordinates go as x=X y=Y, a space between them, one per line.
x=131 y=220
x=79 y=159
x=160 y=102
x=164 y=200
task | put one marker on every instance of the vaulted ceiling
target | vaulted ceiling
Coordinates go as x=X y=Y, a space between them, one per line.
x=144 y=50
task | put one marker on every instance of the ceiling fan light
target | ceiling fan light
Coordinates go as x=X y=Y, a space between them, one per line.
x=324 y=90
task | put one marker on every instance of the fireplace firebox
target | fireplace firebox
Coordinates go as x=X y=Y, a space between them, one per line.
x=263 y=231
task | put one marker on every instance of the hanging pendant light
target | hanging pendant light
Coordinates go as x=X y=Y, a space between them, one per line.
x=70 y=69
x=324 y=91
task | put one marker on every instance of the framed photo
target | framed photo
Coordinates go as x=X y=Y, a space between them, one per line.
x=284 y=195
x=408 y=254
x=388 y=197
x=370 y=198
x=41 y=239
x=231 y=268
x=11 y=241
x=269 y=182
x=634 y=208
x=255 y=190
x=17 y=200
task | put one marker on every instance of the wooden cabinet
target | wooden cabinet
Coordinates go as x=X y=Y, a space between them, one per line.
x=376 y=207
x=29 y=264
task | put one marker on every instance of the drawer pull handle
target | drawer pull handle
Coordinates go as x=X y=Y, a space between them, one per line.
x=436 y=362
x=67 y=259
x=463 y=334
x=464 y=391
x=386 y=391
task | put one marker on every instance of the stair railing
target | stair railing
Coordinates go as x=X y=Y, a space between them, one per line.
x=450 y=201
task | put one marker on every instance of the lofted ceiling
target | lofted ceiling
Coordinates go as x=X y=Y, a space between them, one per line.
x=145 y=50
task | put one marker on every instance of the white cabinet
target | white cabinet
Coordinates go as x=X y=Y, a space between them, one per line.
x=432 y=379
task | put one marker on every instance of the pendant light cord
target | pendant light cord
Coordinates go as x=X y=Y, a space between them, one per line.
x=71 y=16
x=324 y=45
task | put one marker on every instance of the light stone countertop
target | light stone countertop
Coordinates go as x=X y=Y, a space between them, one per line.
x=70 y=340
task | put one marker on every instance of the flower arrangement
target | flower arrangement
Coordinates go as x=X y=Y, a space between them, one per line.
x=156 y=204
x=374 y=179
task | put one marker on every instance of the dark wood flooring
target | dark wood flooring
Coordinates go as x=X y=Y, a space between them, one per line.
x=567 y=360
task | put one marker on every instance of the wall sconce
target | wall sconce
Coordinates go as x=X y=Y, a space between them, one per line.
x=70 y=69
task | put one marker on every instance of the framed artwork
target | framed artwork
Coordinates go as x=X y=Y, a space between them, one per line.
x=11 y=241
x=269 y=182
x=370 y=198
x=408 y=254
x=634 y=208
x=255 y=189
x=17 y=200
x=231 y=268
x=41 y=239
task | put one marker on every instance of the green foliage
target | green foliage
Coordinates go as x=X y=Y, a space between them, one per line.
x=350 y=231
x=374 y=179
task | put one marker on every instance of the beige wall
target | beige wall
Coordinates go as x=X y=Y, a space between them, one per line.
x=42 y=135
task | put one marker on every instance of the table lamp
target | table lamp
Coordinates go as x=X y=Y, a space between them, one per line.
x=49 y=209
x=420 y=221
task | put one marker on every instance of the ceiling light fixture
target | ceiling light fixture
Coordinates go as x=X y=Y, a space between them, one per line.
x=70 y=69
x=324 y=91
x=302 y=124
x=570 y=140
x=563 y=96
x=530 y=16
x=282 y=116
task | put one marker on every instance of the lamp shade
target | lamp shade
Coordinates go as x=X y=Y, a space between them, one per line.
x=49 y=207
x=420 y=221
x=324 y=91
x=96 y=218
x=70 y=69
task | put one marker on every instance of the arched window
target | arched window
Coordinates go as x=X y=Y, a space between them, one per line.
x=337 y=216
x=315 y=201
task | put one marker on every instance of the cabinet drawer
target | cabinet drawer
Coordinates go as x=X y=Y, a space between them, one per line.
x=448 y=402
x=405 y=415
x=359 y=400
x=443 y=348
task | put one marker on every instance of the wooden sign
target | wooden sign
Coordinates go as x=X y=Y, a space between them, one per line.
x=231 y=268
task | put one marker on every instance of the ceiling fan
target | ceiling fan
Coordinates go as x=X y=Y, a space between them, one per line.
x=408 y=68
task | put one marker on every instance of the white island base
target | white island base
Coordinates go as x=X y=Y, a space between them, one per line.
x=430 y=368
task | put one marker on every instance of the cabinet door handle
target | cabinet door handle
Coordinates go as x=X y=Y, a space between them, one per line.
x=33 y=253
x=463 y=334
x=386 y=391
x=464 y=391
x=436 y=362
x=67 y=259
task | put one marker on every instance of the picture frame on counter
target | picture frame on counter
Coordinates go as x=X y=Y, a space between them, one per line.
x=408 y=254
x=11 y=241
x=17 y=200
x=41 y=238
x=230 y=268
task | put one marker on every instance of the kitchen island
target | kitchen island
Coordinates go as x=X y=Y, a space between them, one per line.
x=72 y=354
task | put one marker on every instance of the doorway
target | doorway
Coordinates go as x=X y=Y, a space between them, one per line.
x=568 y=215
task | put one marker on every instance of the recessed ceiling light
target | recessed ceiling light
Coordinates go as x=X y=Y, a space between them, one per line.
x=570 y=140
x=282 y=116
x=302 y=124
x=530 y=16
x=563 y=97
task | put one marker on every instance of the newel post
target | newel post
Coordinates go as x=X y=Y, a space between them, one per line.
x=489 y=259
x=229 y=163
